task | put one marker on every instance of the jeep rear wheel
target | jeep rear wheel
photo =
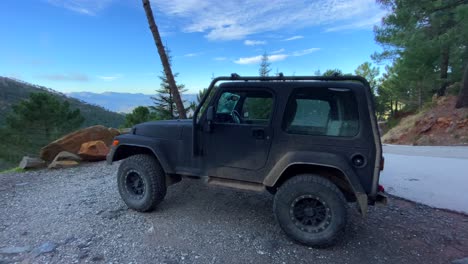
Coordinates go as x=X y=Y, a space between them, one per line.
x=141 y=182
x=311 y=210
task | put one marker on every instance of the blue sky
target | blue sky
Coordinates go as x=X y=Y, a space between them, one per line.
x=106 y=45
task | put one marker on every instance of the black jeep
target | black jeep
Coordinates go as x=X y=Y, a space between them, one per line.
x=313 y=142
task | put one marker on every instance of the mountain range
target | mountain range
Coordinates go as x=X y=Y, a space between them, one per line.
x=12 y=91
x=121 y=102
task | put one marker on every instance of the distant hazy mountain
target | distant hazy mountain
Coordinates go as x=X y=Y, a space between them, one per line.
x=13 y=91
x=121 y=102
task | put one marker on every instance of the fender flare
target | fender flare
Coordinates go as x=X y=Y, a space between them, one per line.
x=150 y=144
x=321 y=159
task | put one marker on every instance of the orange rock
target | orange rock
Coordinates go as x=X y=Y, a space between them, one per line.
x=72 y=142
x=93 y=150
x=443 y=121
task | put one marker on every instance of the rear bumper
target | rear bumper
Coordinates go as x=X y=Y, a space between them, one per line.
x=381 y=199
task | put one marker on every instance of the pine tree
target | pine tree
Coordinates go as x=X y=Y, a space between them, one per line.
x=164 y=104
x=264 y=66
x=43 y=118
x=139 y=115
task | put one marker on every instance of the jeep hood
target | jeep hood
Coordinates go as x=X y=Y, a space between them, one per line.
x=167 y=129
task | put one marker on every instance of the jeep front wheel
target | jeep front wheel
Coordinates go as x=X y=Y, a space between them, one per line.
x=311 y=210
x=141 y=182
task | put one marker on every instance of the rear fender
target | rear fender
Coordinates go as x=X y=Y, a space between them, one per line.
x=319 y=159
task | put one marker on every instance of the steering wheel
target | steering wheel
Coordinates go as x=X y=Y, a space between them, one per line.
x=236 y=117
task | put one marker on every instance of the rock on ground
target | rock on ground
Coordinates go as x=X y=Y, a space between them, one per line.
x=93 y=150
x=72 y=142
x=31 y=163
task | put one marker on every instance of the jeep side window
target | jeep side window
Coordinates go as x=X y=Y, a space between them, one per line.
x=249 y=107
x=322 y=111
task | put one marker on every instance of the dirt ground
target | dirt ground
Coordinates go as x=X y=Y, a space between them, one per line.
x=76 y=216
x=439 y=125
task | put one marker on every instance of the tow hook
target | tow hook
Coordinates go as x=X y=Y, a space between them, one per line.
x=381 y=197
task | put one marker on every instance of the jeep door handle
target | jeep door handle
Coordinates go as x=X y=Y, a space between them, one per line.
x=258 y=133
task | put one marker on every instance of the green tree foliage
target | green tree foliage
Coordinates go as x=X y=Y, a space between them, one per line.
x=426 y=42
x=139 y=115
x=258 y=108
x=44 y=115
x=370 y=73
x=332 y=72
x=201 y=94
x=264 y=66
x=164 y=103
x=33 y=123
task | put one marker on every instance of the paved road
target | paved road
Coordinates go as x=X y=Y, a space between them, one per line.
x=435 y=176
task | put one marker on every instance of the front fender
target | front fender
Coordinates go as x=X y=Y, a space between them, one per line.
x=134 y=144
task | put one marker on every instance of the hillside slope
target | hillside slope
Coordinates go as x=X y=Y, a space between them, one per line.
x=12 y=91
x=440 y=125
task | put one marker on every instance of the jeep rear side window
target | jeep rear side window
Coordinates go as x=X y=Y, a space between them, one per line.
x=322 y=112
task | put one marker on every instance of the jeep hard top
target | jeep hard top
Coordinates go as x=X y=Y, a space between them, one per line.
x=311 y=141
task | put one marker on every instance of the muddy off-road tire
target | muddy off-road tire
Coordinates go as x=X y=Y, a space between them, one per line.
x=311 y=210
x=141 y=182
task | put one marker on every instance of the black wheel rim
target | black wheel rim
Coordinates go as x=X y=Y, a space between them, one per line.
x=135 y=184
x=310 y=213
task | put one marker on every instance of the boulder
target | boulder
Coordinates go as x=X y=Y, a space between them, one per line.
x=93 y=150
x=73 y=141
x=65 y=155
x=57 y=164
x=31 y=163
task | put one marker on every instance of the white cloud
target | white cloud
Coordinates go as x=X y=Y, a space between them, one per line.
x=258 y=59
x=195 y=54
x=293 y=38
x=304 y=52
x=110 y=78
x=277 y=51
x=365 y=23
x=86 y=7
x=237 y=19
x=254 y=42
x=275 y=57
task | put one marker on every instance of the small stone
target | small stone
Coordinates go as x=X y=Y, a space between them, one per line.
x=46 y=247
x=119 y=236
x=97 y=258
x=83 y=255
x=14 y=250
x=461 y=261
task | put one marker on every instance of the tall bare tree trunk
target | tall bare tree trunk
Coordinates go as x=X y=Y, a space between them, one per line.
x=164 y=60
x=462 y=100
x=444 y=63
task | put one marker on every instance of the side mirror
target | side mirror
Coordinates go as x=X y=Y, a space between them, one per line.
x=209 y=119
x=210 y=114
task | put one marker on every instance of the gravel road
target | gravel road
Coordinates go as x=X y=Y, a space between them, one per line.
x=76 y=216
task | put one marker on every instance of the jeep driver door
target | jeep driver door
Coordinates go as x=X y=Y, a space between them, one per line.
x=241 y=133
